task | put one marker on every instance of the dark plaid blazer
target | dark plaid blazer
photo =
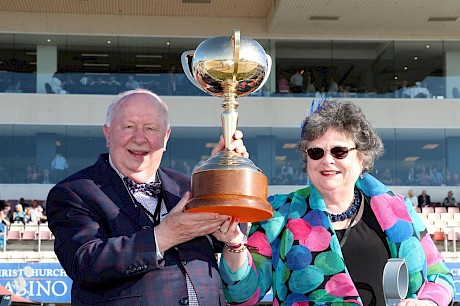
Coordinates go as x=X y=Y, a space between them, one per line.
x=106 y=244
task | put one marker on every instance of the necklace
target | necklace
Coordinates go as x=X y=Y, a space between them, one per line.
x=350 y=212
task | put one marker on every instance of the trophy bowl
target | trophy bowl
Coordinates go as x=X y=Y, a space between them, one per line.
x=227 y=183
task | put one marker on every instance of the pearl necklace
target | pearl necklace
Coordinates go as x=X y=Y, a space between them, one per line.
x=354 y=207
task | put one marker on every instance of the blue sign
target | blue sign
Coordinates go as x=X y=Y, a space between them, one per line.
x=454 y=268
x=40 y=282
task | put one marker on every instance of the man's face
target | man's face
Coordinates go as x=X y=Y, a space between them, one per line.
x=137 y=136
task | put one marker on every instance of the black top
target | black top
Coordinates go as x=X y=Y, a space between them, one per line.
x=366 y=253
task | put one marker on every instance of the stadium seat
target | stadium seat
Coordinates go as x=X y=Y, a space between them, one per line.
x=447 y=216
x=427 y=209
x=13 y=235
x=453 y=210
x=434 y=216
x=29 y=234
x=440 y=210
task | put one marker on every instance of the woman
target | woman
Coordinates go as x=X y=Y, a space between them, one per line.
x=19 y=214
x=330 y=242
x=38 y=211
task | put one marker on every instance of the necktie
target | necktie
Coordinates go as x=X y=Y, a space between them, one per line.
x=152 y=189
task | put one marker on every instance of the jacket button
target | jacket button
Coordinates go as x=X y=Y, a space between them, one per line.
x=183 y=301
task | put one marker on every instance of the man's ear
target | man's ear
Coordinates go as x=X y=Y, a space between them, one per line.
x=168 y=133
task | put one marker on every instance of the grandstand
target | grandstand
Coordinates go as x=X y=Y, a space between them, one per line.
x=385 y=44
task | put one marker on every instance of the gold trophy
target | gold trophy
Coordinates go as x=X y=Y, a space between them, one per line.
x=229 y=184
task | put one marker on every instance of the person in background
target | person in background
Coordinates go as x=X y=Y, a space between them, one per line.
x=424 y=199
x=56 y=84
x=38 y=211
x=46 y=176
x=6 y=214
x=19 y=214
x=113 y=81
x=283 y=84
x=58 y=167
x=312 y=251
x=449 y=201
x=131 y=83
x=29 y=216
x=413 y=199
x=120 y=229
x=296 y=82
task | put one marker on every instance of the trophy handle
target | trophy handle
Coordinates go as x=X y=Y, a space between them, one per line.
x=269 y=68
x=186 y=67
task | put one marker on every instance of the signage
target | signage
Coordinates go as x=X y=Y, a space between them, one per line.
x=40 y=282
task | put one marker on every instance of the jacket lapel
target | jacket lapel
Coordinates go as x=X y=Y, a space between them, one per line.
x=170 y=190
x=112 y=185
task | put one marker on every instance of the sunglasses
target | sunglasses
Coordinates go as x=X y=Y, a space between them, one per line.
x=336 y=152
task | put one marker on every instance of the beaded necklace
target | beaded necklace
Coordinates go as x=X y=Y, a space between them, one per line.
x=350 y=212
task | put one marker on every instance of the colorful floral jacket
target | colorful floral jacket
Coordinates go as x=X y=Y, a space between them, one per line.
x=299 y=255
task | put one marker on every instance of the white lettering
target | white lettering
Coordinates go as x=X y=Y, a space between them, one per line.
x=59 y=285
x=41 y=287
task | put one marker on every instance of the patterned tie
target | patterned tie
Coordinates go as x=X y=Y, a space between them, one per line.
x=152 y=189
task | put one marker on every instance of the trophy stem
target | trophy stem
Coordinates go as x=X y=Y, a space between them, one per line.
x=229 y=116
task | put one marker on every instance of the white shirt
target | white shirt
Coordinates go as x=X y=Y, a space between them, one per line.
x=414 y=201
x=143 y=198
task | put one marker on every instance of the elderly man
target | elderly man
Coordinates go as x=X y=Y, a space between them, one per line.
x=127 y=243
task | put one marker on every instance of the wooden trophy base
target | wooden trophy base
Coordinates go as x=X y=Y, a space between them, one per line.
x=238 y=193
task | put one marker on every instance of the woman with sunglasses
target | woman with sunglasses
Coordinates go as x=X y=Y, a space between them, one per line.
x=329 y=242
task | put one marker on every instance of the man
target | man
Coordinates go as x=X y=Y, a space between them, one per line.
x=116 y=248
x=450 y=200
x=58 y=167
x=424 y=199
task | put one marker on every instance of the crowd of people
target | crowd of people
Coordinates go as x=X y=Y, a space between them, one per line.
x=22 y=212
x=56 y=171
x=70 y=83
x=303 y=81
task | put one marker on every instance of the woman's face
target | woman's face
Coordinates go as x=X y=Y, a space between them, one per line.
x=329 y=174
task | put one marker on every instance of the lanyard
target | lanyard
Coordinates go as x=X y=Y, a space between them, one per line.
x=347 y=231
x=155 y=217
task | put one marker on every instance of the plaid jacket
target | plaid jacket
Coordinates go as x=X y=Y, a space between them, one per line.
x=107 y=247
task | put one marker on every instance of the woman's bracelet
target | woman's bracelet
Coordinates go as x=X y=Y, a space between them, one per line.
x=238 y=248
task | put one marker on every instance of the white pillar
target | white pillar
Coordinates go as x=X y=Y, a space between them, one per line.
x=46 y=66
x=452 y=72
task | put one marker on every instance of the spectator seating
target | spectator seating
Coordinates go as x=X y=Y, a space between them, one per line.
x=36 y=237
x=440 y=209
x=428 y=209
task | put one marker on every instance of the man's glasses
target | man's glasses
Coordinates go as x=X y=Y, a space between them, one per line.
x=336 y=152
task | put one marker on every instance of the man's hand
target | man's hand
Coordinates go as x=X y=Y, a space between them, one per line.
x=236 y=145
x=180 y=226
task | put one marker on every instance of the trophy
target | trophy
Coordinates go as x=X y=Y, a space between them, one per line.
x=227 y=183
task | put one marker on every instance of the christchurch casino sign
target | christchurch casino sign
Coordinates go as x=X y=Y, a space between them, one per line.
x=40 y=282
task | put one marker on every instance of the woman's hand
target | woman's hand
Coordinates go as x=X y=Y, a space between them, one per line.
x=236 y=145
x=230 y=232
x=415 y=302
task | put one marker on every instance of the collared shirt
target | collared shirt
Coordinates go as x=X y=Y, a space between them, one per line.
x=59 y=163
x=143 y=199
